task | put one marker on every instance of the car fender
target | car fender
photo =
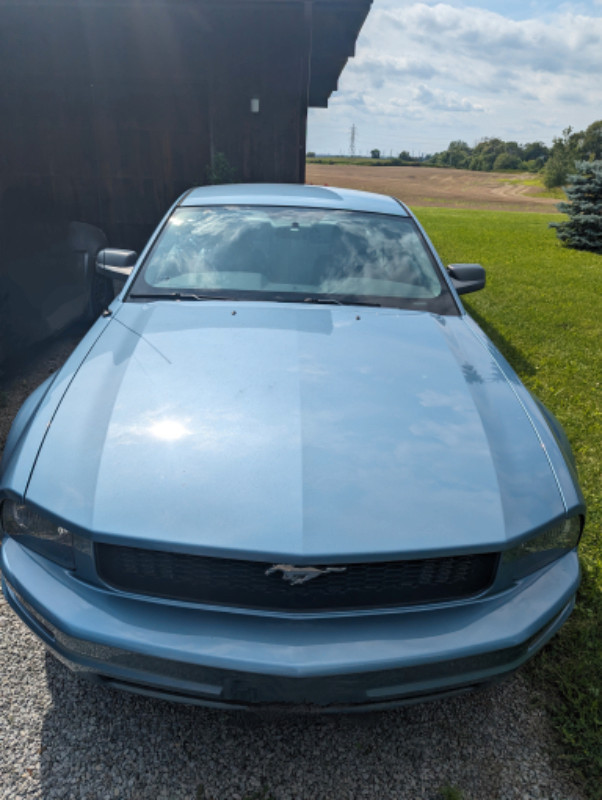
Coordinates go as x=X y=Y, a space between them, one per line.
x=560 y=436
x=24 y=417
x=549 y=430
x=35 y=417
x=558 y=450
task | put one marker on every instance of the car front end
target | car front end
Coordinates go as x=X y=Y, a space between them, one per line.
x=254 y=494
x=327 y=661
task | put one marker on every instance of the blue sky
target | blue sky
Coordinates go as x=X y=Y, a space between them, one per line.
x=426 y=73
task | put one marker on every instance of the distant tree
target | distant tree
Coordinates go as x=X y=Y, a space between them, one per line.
x=583 y=230
x=375 y=153
x=310 y=154
x=536 y=151
x=406 y=156
x=514 y=149
x=507 y=161
x=458 y=154
x=590 y=144
x=564 y=154
x=555 y=172
x=485 y=153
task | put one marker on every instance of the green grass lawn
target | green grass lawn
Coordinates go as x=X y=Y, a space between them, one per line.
x=543 y=308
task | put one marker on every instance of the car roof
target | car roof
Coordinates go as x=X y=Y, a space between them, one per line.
x=293 y=194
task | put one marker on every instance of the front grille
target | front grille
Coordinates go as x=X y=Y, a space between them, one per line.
x=244 y=584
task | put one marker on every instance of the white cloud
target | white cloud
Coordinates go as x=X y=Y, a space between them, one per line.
x=429 y=72
x=381 y=68
x=439 y=100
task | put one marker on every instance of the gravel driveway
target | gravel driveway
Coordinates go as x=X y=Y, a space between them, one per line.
x=61 y=738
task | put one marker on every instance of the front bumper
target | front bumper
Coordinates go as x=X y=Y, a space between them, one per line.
x=313 y=662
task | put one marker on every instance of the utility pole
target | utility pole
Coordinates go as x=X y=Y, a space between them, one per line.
x=352 y=135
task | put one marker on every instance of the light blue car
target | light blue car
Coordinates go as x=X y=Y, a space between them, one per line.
x=286 y=469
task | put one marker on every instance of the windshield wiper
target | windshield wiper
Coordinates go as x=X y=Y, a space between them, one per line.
x=329 y=300
x=178 y=296
x=348 y=301
x=334 y=301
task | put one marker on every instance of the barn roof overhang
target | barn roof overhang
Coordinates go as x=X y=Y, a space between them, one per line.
x=335 y=28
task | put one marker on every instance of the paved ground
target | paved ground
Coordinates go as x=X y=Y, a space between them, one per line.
x=60 y=738
x=429 y=186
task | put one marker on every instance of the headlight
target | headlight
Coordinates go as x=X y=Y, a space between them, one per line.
x=535 y=553
x=34 y=531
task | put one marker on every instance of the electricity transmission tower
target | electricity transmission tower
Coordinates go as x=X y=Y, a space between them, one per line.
x=352 y=134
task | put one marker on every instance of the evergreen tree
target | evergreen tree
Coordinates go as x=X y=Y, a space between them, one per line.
x=583 y=230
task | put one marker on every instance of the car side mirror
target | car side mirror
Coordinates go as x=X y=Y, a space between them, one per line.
x=467 y=277
x=116 y=264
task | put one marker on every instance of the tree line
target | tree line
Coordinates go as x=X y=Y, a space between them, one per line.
x=555 y=163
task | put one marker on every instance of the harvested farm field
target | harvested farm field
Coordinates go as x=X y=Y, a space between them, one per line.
x=433 y=186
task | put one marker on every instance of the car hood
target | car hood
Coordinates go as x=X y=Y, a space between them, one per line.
x=293 y=432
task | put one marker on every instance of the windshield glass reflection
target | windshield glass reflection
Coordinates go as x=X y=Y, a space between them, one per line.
x=293 y=254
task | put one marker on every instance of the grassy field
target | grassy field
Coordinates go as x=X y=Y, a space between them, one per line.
x=543 y=308
x=357 y=161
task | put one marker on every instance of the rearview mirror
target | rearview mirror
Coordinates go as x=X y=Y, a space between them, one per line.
x=116 y=264
x=467 y=277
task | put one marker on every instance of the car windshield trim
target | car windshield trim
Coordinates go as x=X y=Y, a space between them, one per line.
x=298 y=299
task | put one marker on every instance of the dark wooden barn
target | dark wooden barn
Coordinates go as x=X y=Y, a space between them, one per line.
x=109 y=109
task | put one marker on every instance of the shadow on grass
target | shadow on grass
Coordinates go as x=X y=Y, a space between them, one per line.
x=519 y=362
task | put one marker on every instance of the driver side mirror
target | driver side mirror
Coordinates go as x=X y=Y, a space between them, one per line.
x=467 y=277
x=116 y=264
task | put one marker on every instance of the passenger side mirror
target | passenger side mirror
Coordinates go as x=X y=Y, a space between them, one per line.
x=116 y=264
x=467 y=277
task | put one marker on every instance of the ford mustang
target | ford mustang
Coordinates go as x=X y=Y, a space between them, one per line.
x=285 y=468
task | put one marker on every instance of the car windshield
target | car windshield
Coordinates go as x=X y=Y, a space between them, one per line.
x=293 y=255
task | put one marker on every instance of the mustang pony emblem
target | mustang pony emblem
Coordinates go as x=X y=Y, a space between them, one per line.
x=298 y=575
